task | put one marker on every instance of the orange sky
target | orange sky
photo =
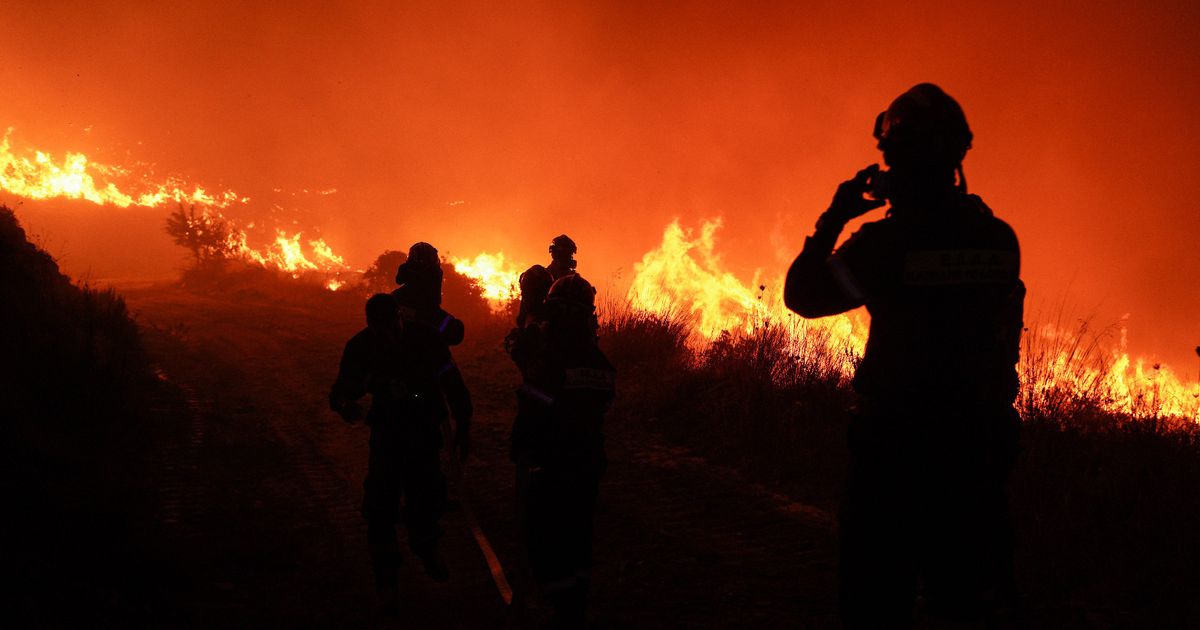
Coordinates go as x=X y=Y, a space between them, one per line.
x=607 y=121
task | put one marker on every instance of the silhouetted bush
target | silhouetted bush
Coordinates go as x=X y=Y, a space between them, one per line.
x=206 y=235
x=235 y=278
x=380 y=277
x=71 y=354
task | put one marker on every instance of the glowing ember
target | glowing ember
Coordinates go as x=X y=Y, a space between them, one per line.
x=34 y=174
x=684 y=276
x=496 y=278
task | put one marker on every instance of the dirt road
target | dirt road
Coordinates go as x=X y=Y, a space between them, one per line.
x=259 y=488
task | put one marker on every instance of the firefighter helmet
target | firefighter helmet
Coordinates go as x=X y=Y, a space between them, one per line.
x=535 y=283
x=573 y=294
x=424 y=254
x=562 y=247
x=382 y=309
x=924 y=124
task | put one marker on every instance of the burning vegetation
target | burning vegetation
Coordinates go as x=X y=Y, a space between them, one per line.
x=721 y=366
x=212 y=238
x=683 y=280
x=34 y=174
x=1061 y=369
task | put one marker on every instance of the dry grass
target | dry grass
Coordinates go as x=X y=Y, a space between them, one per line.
x=1104 y=503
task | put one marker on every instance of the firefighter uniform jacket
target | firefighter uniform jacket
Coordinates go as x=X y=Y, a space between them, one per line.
x=410 y=377
x=566 y=390
x=944 y=295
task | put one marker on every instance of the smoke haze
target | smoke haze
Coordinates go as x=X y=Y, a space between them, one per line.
x=481 y=128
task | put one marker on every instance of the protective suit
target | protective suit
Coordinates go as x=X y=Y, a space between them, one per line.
x=558 y=443
x=934 y=436
x=414 y=386
x=420 y=294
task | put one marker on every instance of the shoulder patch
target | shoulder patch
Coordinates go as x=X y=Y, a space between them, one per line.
x=589 y=378
x=960 y=266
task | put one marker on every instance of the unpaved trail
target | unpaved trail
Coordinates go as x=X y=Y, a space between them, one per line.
x=260 y=486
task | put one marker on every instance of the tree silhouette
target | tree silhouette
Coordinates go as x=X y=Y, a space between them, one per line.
x=380 y=277
x=204 y=234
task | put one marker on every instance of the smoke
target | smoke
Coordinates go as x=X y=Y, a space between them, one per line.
x=487 y=128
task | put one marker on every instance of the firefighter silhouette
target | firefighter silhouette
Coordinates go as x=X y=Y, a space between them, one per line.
x=409 y=374
x=562 y=256
x=934 y=436
x=535 y=283
x=558 y=444
x=420 y=293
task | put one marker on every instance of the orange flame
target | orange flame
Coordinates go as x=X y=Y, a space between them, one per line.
x=286 y=253
x=1059 y=365
x=684 y=275
x=497 y=279
x=38 y=175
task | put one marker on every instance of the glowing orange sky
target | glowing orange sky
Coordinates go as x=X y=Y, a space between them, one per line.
x=607 y=121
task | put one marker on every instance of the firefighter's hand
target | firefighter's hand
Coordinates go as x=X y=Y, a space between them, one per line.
x=851 y=201
x=351 y=413
x=462 y=445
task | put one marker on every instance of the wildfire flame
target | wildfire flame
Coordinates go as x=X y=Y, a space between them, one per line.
x=1059 y=365
x=34 y=174
x=497 y=278
x=286 y=253
x=684 y=275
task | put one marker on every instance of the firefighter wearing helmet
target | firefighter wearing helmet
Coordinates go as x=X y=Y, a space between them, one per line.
x=420 y=293
x=414 y=387
x=934 y=436
x=558 y=444
x=535 y=284
x=562 y=256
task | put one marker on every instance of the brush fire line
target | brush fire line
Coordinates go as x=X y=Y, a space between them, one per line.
x=681 y=278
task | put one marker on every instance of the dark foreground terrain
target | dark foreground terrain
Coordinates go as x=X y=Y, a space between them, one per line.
x=185 y=472
x=254 y=488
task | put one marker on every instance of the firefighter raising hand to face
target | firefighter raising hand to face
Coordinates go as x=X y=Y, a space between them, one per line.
x=851 y=200
x=934 y=435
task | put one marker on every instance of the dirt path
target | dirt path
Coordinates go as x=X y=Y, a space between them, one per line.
x=260 y=485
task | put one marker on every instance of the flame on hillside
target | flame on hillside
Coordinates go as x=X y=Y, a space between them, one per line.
x=284 y=252
x=35 y=174
x=684 y=276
